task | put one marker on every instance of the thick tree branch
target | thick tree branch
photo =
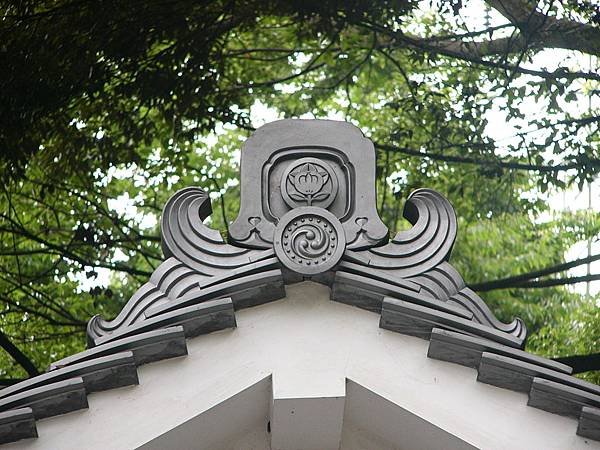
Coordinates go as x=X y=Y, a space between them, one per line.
x=581 y=363
x=551 y=282
x=547 y=31
x=18 y=355
x=517 y=280
x=536 y=31
x=474 y=53
x=516 y=11
x=475 y=49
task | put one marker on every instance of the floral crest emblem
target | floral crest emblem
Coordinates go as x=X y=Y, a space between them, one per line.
x=309 y=182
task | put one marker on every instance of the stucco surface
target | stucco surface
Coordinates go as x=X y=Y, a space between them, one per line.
x=306 y=346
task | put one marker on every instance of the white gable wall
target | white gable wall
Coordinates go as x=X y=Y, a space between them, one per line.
x=307 y=347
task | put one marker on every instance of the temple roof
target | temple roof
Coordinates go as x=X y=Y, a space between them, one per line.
x=307 y=214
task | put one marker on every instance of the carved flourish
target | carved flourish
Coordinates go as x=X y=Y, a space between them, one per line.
x=445 y=283
x=424 y=246
x=185 y=236
x=309 y=181
x=197 y=258
x=309 y=240
x=420 y=255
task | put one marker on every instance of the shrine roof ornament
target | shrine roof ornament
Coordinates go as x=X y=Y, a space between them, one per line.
x=292 y=164
x=307 y=212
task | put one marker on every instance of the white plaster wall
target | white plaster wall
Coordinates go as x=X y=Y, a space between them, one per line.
x=309 y=345
x=372 y=422
x=238 y=423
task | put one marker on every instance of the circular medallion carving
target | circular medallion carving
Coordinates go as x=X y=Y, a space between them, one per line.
x=309 y=182
x=309 y=240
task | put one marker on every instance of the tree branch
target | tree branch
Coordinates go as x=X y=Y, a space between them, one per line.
x=552 y=282
x=474 y=53
x=18 y=355
x=536 y=31
x=515 y=281
x=581 y=363
x=482 y=162
x=476 y=161
x=398 y=39
x=548 y=31
x=65 y=252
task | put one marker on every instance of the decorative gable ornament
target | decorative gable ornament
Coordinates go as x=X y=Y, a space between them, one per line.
x=304 y=372
x=307 y=212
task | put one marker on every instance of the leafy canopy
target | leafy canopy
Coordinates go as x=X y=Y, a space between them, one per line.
x=106 y=110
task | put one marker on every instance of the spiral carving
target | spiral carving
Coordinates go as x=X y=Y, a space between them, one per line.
x=312 y=240
x=309 y=240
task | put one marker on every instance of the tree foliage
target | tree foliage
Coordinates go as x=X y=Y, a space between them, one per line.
x=107 y=108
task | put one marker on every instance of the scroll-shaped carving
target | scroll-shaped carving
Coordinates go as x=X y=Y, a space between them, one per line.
x=197 y=259
x=424 y=246
x=185 y=237
x=445 y=283
x=420 y=255
x=307 y=212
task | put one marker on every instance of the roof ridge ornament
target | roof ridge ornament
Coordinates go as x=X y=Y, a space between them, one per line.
x=308 y=211
x=291 y=163
x=320 y=234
